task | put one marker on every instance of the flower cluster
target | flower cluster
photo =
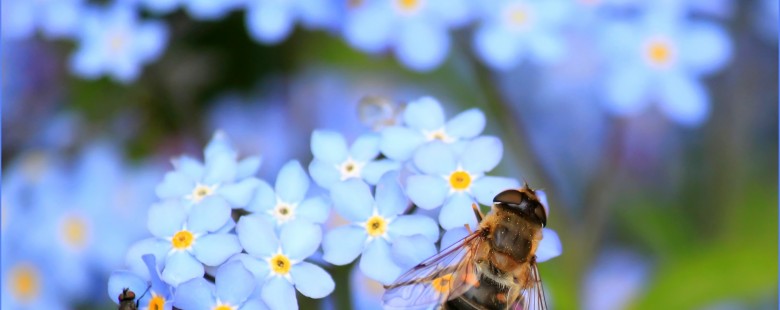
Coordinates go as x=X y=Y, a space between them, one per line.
x=381 y=187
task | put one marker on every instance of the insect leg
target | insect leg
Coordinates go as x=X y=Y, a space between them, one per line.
x=477 y=212
x=138 y=300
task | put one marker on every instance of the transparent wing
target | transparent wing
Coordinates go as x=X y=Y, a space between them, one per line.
x=442 y=277
x=532 y=296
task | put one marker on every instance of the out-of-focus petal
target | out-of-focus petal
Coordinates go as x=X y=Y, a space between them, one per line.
x=292 y=182
x=482 y=154
x=248 y=167
x=486 y=188
x=374 y=170
x=324 y=174
x=352 y=199
x=175 y=184
x=215 y=249
x=300 y=239
x=329 y=146
x=365 y=147
x=424 y=113
x=684 y=99
x=466 y=124
x=269 y=21
x=422 y=45
x=220 y=168
x=550 y=246
x=264 y=198
x=626 y=90
x=181 y=266
x=496 y=48
x=257 y=235
x=239 y=194
x=343 y=244
x=311 y=280
x=704 y=47
x=165 y=219
x=377 y=262
x=426 y=191
x=457 y=212
x=369 y=28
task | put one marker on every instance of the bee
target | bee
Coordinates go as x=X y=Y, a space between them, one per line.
x=127 y=299
x=493 y=267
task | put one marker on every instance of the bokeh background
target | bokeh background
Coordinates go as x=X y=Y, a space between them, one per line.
x=651 y=125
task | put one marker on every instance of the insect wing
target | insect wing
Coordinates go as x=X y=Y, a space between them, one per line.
x=532 y=297
x=443 y=276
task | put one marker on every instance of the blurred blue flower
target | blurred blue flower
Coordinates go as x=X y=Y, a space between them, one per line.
x=271 y=21
x=151 y=295
x=766 y=16
x=424 y=122
x=209 y=9
x=222 y=176
x=390 y=242
x=457 y=180
x=288 y=201
x=55 y=18
x=661 y=59
x=27 y=282
x=185 y=243
x=622 y=273
x=112 y=41
x=366 y=293
x=277 y=263
x=416 y=29
x=512 y=30
x=334 y=161
x=234 y=284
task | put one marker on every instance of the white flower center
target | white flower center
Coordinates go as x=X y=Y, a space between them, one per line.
x=350 y=169
x=201 y=191
x=438 y=134
x=283 y=212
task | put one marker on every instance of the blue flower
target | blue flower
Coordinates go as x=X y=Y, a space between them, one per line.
x=334 y=161
x=154 y=294
x=277 y=261
x=114 y=42
x=512 y=30
x=27 y=282
x=366 y=293
x=288 y=202
x=222 y=176
x=417 y=30
x=234 y=284
x=390 y=242
x=55 y=18
x=424 y=120
x=210 y=10
x=661 y=59
x=185 y=243
x=271 y=21
x=457 y=180
x=621 y=272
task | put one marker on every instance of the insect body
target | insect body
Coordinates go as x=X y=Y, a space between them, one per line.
x=127 y=299
x=492 y=268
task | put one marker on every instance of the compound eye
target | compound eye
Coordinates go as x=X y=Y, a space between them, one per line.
x=510 y=196
x=541 y=214
x=126 y=294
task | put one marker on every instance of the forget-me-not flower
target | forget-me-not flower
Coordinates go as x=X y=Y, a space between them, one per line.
x=55 y=18
x=334 y=161
x=151 y=295
x=661 y=59
x=231 y=291
x=287 y=200
x=222 y=176
x=457 y=180
x=424 y=122
x=271 y=21
x=277 y=261
x=114 y=42
x=389 y=242
x=512 y=30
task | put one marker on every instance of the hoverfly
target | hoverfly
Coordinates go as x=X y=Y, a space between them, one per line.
x=127 y=299
x=493 y=267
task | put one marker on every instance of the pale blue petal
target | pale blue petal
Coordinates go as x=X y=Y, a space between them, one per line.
x=486 y=188
x=369 y=28
x=390 y=197
x=239 y=194
x=181 y=266
x=550 y=246
x=234 y=283
x=219 y=144
x=154 y=273
x=257 y=235
x=210 y=214
x=422 y=44
x=546 y=48
x=222 y=167
x=311 y=280
x=365 y=147
x=457 y=212
x=197 y=294
x=377 y=262
x=134 y=258
x=453 y=235
x=258 y=267
x=122 y=279
x=315 y=209
x=498 y=48
x=684 y=100
x=189 y=166
x=374 y=170
x=329 y=146
x=427 y=191
x=165 y=219
x=411 y=250
x=292 y=182
x=543 y=199
x=269 y=21
x=264 y=198
x=482 y=154
x=215 y=249
x=407 y=225
x=424 y=113
x=705 y=47
x=279 y=294
x=352 y=199
x=175 y=185
x=343 y=244
x=435 y=158
x=398 y=143
x=467 y=124
x=627 y=90
x=248 y=167
x=324 y=174
x=300 y=239
x=253 y=304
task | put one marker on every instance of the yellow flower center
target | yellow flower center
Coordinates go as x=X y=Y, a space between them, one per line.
x=408 y=6
x=517 y=16
x=24 y=282
x=659 y=52
x=75 y=232
x=442 y=284
x=280 y=264
x=182 y=240
x=376 y=226
x=460 y=180
x=439 y=134
x=200 y=191
x=157 y=302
